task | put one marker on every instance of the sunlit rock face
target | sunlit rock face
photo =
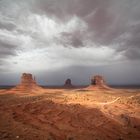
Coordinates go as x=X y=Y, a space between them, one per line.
x=68 y=84
x=27 y=79
x=28 y=84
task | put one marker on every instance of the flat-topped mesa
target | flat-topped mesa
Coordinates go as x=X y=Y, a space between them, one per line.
x=68 y=84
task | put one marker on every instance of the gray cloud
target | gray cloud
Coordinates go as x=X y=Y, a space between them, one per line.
x=108 y=21
x=73 y=39
x=48 y=27
x=6 y=48
x=7 y=26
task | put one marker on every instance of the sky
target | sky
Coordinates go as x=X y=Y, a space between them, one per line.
x=60 y=39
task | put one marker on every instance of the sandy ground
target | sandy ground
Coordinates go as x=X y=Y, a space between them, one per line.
x=70 y=114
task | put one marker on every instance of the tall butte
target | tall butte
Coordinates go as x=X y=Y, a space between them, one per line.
x=68 y=84
x=28 y=84
x=98 y=82
x=27 y=80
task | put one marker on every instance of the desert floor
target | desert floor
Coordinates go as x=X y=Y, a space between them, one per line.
x=70 y=114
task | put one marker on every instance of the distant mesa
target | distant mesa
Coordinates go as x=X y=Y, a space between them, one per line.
x=68 y=84
x=98 y=82
x=28 y=83
x=28 y=80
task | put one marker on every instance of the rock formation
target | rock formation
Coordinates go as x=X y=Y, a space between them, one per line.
x=28 y=80
x=27 y=84
x=98 y=82
x=68 y=84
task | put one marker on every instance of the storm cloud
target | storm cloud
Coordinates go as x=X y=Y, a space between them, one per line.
x=69 y=35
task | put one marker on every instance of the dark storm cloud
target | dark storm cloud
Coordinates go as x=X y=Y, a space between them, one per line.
x=65 y=8
x=7 y=26
x=94 y=12
x=108 y=21
x=73 y=39
x=114 y=24
x=133 y=43
x=6 y=49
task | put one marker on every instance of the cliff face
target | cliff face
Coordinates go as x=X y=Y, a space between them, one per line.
x=27 y=79
x=28 y=84
x=98 y=82
x=68 y=84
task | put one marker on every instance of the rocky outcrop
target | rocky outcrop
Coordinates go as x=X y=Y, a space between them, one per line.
x=68 y=84
x=28 y=80
x=98 y=82
x=28 y=84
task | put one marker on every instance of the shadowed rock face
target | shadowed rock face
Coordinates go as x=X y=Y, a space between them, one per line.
x=68 y=83
x=97 y=80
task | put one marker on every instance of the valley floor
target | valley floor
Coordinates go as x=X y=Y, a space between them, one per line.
x=70 y=114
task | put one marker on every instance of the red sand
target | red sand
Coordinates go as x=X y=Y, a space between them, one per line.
x=63 y=114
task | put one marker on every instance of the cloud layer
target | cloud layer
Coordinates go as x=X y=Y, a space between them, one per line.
x=49 y=35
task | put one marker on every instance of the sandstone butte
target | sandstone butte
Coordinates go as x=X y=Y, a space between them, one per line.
x=98 y=82
x=68 y=84
x=28 y=84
